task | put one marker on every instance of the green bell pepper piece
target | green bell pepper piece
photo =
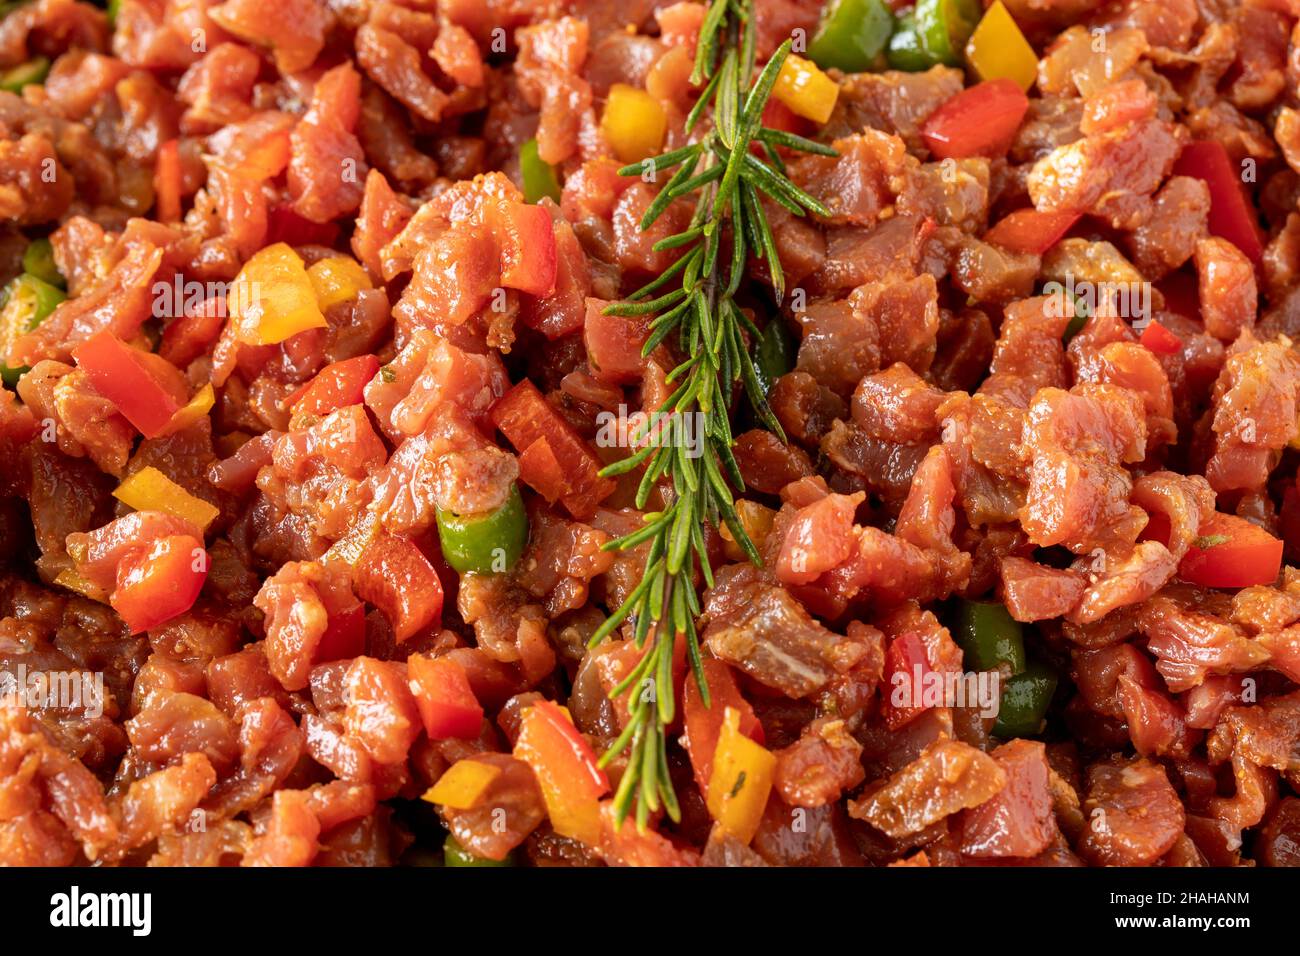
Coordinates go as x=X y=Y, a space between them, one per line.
x=905 y=50
x=944 y=26
x=28 y=301
x=454 y=854
x=33 y=72
x=38 y=261
x=486 y=543
x=538 y=175
x=1025 y=699
x=989 y=637
x=422 y=857
x=1076 y=324
x=851 y=35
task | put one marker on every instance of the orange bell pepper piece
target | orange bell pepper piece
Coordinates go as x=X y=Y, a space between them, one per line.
x=572 y=783
x=167 y=182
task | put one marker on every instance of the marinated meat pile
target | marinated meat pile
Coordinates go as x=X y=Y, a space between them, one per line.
x=308 y=314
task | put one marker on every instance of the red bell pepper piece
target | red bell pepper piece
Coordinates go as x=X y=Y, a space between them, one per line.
x=528 y=254
x=337 y=385
x=1160 y=340
x=1028 y=230
x=906 y=668
x=157 y=583
x=1182 y=294
x=1230 y=552
x=979 y=121
x=167 y=182
x=446 y=701
x=285 y=225
x=395 y=576
x=344 y=637
x=145 y=388
x=703 y=725
x=1232 y=214
x=526 y=417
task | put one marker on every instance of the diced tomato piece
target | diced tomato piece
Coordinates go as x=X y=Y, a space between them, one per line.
x=1230 y=552
x=157 y=583
x=145 y=388
x=1160 y=340
x=447 y=703
x=703 y=724
x=528 y=256
x=344 y=637
x=906 y=667
x=525 y=417
x=167 y=182
x=979 y=121
x=337 y=385
x=1232 y=213
x=614 y=344
x=395 y=576
x=1028 y=230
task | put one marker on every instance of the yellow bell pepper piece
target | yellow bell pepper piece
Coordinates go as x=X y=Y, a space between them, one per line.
x=273 y=297
x=998 y=49
x=634 y=123
x=741 y=780
x=73 y=581
x=189 y=413
x=463 y=785
x=805 y=89
x=757 y=521
x=150 y=490
x=337 y=279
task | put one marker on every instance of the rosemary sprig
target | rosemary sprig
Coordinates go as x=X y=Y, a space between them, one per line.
x=701 y=317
